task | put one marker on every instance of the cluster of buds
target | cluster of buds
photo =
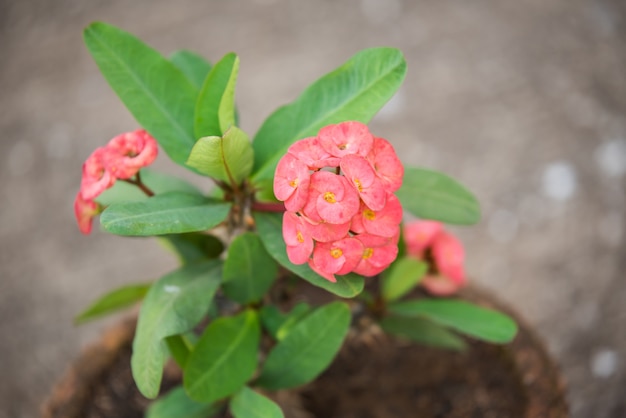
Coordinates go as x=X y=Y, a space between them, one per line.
x=341 y=214
x=120 y=159
x=428 y=241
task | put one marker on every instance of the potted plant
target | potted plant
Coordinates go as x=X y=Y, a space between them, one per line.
x=302 y=254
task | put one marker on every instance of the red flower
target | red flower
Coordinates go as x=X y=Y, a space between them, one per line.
x=364 y=180
x=331 y=199
x=291 y=182
x=85 y=211
x=297 y=237
x=428 y=241
x=387 y=165
x=378 y=254
x=346 y=138
x=129 y=152
x=96 y=176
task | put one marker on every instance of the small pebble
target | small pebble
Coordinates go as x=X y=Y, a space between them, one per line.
x=604 y=363
x=611 y=158
x=559 y=181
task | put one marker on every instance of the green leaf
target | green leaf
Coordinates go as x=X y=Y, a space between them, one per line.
x=180 y=348
x=225 y=357
x=174 y=304
x=423 y=331
x=194 y=66
x=193 y=246
x=176 y=404
x=307 y=349
x=269 y=227
x=354 y=91
x=404 y=274
x=168 y=213
x=249 y=404
x=215 y=107
x=158 y=94
x=464 y=317
x=298 y=312
x=271 y=319
x=120 y=298
x=244 y=280
x=432 y=195
x=228 y=158
x=159 y=183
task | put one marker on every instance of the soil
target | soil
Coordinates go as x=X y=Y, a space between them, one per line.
x=373 y=376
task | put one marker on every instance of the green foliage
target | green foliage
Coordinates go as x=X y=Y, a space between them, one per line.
x=120 y=298
x=159 y=183
x=432 y=195
x=194 y=66
x=291 y=320
x=250 y=404
x=269 y=228
x=167 y=213
x=225 y=357
x=354 y=91
x=271 y=319
x=176 y=404
x=159 y=95
x=249 y=271
x=403 y=275
x=180 y=348
x=464 y=317
x=228 y=158
x=307 y=349
x=193 y=246
x=174 y=304
x=215 y=107
x=423 y=331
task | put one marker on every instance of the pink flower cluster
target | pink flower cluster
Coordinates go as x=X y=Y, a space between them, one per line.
x=427 y=240
x=121 y=159
x=341 y=214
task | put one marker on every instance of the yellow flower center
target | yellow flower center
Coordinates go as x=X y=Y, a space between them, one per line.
x=336 y=252
x=369 y=214
x=330 y=197
x=299 y=237
x=358 y=185
x=293 y=183
x=368 y=253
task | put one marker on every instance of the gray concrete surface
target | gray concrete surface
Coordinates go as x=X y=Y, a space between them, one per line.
x=523 y=102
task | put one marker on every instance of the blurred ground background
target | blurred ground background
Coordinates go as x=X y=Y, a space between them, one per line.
x=523 y=102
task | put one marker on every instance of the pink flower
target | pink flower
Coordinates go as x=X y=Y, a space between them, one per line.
x=291 y=182
x=326 y=232
x=428 y=241
x=311 y=153
x=378 y=254
x=331 y=199
x=85 y=211
x=419 y=236
x=346 y=138
x=364 y=180
x=96 y=176
x=339 y=257
x=383 y=223
x=387 y=165
x=297 y=237
x=129 y=152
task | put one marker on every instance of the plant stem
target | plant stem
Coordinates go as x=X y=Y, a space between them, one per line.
x=268 y=207
x=137 y=182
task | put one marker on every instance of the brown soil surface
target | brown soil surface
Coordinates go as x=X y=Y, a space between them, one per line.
x=373 y=376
